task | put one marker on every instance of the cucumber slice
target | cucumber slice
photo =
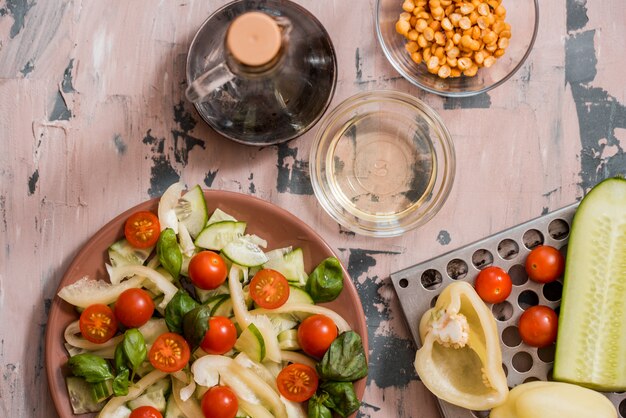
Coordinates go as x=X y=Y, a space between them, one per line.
x=204 y=295
x=297 y=295
x=81 y=396
x=216 y=300
x=223 y=308
x=251 y=342
x=172 y=410
x=217 y=235
x=155 y=399
x=192 y=211
x=291 y=265
x=288 y=340
x=244 y=253
x=218 y=216
x=591 y=341
x=121 y=253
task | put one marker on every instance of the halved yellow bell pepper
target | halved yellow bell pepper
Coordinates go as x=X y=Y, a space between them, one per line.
x=554 y=400
x=460 y=360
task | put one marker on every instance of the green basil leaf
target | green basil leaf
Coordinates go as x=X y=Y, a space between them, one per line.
x=121 y=382
x=325 y=282
x=176 y=310
x=196 y=324
x=317 y=409
x=169 y=253
x=345 y=359
x=341 y=397
x=119 y=359
x=134 y=347
x=92 y=368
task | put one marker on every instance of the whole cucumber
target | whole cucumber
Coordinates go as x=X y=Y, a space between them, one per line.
x=591 y=341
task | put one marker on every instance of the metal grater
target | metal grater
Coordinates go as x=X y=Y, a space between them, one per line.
x=419 y=286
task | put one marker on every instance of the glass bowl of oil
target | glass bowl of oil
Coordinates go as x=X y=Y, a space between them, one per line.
x=382 y=163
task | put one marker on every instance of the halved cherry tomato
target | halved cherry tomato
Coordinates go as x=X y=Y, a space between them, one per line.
x=220 y=402
x=545 y=264
x=207 y=270
x=297 y=382
x=220 y=337
x=134 y=307
x=493 y=284
x=145 y=412
x=315 y=334
x=97 y=323
x=269 y=289
x=169 y=353
x=142 y=229
x=538 y=326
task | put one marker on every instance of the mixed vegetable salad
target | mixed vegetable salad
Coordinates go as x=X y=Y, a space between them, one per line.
x=197 y=320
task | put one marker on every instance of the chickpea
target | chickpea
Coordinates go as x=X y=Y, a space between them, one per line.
x=465 y=23
x=489 y=61
x=503 y=43
x=412 y=47
x=466 y=8
x=471 y=72
x=464 y=63
x=408 y=6
x=447 y=24
x=413 y=35
x=429 y=34
x=440 y=38
x=420 y=25
x=416 y=57
x=432 y=63
x=444 y=71
x=403 y=27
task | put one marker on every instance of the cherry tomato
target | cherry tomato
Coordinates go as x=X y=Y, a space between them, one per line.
x=207 y=270
x=538 y=326
x=269 y=289
x=545 y=264
x=297 y=382
x=315 y=334
x=134 y=307
x=169 y=353
x=145 y=412
x=97 y=323
x=142 y=229
x=493 y=284
x=220 y=402
x=220 y=337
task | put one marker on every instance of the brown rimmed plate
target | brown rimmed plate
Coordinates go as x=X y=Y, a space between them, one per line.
x=279 y=227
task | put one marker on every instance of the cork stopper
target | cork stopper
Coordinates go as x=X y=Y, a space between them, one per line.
x=254 y=39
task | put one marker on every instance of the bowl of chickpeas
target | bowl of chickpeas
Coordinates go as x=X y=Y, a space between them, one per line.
x=457 y=48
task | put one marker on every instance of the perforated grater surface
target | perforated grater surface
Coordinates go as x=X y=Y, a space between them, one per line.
x=419 y=286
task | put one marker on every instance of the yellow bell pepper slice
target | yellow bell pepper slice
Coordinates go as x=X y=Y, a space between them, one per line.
x=460 y=360
x=554 y=400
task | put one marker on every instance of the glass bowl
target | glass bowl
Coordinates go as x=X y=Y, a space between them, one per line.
x=522 y=15
x=382 y=163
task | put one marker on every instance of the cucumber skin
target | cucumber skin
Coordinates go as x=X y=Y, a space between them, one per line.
x=608 y=198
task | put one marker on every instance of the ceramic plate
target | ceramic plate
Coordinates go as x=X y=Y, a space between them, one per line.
x=277 y=226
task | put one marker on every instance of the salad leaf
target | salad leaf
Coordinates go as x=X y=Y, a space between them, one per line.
x=91 y=367
x=120 y=383
x=345 y=359
x=341 y=397
x=169 y=253
x=317 y=407
x=134 y=347
x=176 y=310
x=196 y=324
x=326 y=281
x=119 y=359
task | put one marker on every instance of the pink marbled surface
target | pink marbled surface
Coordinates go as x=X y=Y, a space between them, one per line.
x=61 y=180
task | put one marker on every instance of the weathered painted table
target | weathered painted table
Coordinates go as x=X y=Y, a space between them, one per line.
x=93 y=121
